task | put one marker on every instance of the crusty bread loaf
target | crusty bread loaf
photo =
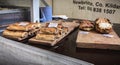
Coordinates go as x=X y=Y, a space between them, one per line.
x=86 y=25
x=103 y=25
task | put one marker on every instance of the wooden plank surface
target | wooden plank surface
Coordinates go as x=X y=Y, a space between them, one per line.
x=97 y=40
x=71 y=26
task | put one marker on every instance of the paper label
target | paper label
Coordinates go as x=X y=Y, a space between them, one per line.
x=84 y=32
x=53 y=25
x=23 y=23
x=108 y=35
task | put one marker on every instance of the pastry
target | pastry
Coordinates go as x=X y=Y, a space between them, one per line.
x=62 y=31
x=24 y=26
x=45 y=37
x=58 y=26
x=48 y=30
x=15 y=34
x=65 y=29
x=32 y=26
x=16 y=27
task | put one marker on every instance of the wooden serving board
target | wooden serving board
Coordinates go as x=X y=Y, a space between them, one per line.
x=97 y=40
x=71 y=26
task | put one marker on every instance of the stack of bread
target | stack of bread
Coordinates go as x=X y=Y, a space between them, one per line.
x=21 y=30
x=51 y=33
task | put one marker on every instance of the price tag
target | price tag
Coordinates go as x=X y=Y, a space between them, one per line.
x=23 y=23
x=108 y=35
x=84 y=32
x=53 y=25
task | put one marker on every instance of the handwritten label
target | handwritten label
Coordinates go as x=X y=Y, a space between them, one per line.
x=53 y=25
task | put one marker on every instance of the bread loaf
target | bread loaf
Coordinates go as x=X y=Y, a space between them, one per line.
x=86 y=25
x=103 y=25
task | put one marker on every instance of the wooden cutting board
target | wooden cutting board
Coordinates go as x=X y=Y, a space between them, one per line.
x=71 y=26
x=99 y=41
